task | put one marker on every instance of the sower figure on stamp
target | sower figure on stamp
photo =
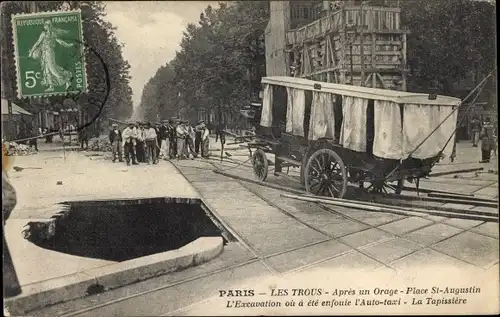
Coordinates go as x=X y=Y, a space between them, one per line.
x=129 y=136
x=44 y=51
x=115 y=138
x=487 y=141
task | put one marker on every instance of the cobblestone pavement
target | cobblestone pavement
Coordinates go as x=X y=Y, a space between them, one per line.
x=277 y=235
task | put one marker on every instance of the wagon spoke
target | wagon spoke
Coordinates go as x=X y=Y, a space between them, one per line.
x=314 y=168
x=330 y=190
x=320 y=189
x=319 y=164
x=335 y=187
x=323 y=161
x=390 y=187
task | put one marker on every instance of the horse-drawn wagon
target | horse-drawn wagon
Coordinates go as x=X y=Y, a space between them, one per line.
x=340 y=134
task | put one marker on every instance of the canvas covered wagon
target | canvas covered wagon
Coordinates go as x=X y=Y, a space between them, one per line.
x=340 y=134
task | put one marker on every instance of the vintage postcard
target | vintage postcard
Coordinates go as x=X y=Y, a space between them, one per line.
x=249 y=158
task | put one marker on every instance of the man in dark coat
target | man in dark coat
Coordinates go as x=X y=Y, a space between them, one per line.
x=487 y=141
x=84 y=137
x=172 y=138
x=197 y=140
x=158 y=138
x=162 y=130
x=34 y=138
x=476 y=130
x=115 y=138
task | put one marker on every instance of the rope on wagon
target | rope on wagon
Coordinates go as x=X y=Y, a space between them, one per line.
x=477 y=89
x=461 y=120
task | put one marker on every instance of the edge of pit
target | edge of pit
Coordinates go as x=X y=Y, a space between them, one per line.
x=53 y=291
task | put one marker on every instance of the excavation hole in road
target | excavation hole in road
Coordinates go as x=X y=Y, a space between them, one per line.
x=121 y=230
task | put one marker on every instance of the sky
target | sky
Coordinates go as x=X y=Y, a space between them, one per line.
x=151 y=33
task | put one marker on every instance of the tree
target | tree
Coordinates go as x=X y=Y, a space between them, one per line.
x=449 y=41
x=220 y=60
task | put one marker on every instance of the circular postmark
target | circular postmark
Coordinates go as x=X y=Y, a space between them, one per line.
x=91 y=101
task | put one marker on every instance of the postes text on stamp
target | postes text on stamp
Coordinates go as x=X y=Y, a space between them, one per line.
x=49 y=53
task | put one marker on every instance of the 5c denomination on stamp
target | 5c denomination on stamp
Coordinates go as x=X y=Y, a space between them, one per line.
x=49 y=53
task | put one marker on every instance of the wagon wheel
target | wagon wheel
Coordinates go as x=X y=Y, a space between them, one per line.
x=260 y=164
x=386 y=188
x=325 y=174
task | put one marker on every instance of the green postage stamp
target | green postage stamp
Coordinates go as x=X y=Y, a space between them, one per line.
x=49 y=53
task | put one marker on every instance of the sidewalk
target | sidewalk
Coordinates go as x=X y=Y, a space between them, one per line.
x=481 y=184
x=83 y=178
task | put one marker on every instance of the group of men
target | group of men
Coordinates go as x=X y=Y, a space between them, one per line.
x=145 y=143
x=484 y=132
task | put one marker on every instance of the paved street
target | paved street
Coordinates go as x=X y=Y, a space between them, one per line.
x=277 y=236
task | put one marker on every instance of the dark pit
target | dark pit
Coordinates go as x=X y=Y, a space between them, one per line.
x=121 y=230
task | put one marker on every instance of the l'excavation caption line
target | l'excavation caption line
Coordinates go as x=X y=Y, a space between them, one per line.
x=321 y=297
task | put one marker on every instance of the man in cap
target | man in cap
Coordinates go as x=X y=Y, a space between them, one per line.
x=150 y=138
x=190 y=137
x=129 y=136
x=172 y=138
x=205 y=140
x=140 y=144
x=158 y=138
x=181 y=134
x=476 y=130
x=83 y=137
x=163 y=138
x=197 y=140
x=115 y=138
x=487 y=137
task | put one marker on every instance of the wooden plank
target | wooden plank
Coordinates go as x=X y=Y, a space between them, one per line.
x=370 y=76
x=288 y=160
x=362 y=46
x=374 y=41
x=403 y=62
x=381 y=80
x=414 y=211
x=321 y=71
x=328 y=58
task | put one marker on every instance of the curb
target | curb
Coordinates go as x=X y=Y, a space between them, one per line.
x=80 y=284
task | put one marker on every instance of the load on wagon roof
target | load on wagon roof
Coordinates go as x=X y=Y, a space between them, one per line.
x=404 y=124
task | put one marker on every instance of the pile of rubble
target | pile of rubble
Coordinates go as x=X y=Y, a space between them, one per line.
x=14 y=148
x=100 y=144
